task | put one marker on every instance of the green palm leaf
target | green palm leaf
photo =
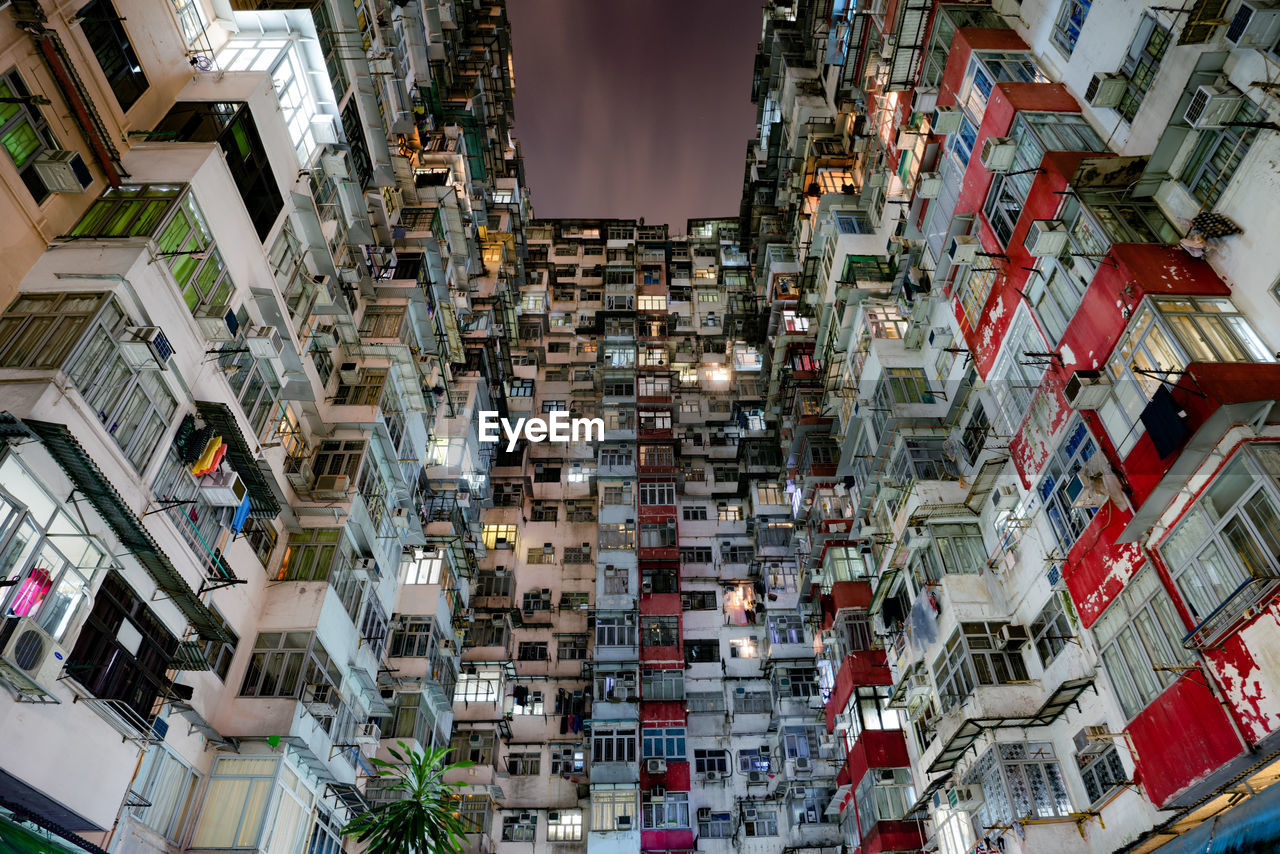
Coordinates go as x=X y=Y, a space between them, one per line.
x=426 y=819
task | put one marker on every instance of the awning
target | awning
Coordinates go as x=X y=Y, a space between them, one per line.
x=1252 y=826
x=223 y=421
x=964 y=737
x=93 y=485
x=20 y=839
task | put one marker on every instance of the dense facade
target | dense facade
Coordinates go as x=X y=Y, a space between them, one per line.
x=936 y=498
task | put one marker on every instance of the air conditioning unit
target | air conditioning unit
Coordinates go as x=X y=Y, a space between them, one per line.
x=62 y=171
x=1046 y=238
x=916 y=537
x=144 y=347
x=265 y=343
x=301 y=477
x=1087 y=389
x=217 y=322
x=1255 y=25
x=946 y=119
x=400 y=518
x=656 y=766
x=966 y=798
x=1093 y=740
x=918 y=687
x=1212 y=107
x=349 y=373
x=929 y=185
x=1005 y=496
x=712 y=777
x=756 y=777
x=365 y=568
x=998 y=153
x=657 y=793
x=963 y=249
x=1012 y=637
x=335 y=166
x=1106 y=90
x=223 y=489
x=331 y=485
x=622 y=822
x=320 y=700
x=368 y=734
x=803 y=765
x=30 y=659
x=750 y=814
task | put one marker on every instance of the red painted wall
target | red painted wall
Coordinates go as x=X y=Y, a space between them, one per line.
x=663 y=713
x=1181 y=737
x=876 y=748
x=676 y=779
x=896 y=836
x=1097 y=567
x=867 y=667
x=666 y=840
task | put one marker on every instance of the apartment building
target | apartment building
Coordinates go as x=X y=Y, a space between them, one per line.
x=1022 y=370
x=262 y=270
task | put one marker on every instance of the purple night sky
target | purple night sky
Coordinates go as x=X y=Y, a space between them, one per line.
x=634 y=109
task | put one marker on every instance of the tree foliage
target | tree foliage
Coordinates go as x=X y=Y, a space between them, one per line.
x=425 y=818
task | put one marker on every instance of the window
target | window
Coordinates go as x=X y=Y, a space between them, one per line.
x=884 y=794
x=657 y=456
x=729 y=512
x=610 y=804
x=660 y=631
x=283 y=662
x=786 y=628
x=571 y=648
x=615 y=631
x=217 y=652
x=769 y=493
x=695 y=554
x=499 y=536
x=520 y=828
x=971 y=658
x=696 y=513
x=235 y=802
x=564 y=826
x=657 y=493
x=1066 y=30
x=168 y=786
x=659 y=535
x=1019 y=780
x=701 y=651
x=567 y=759
x=751 y=701
x=1139 y=632
x=532 y=651
x=1062 y=483
x=1226 y=549
x=1141 y=64
x=663 y=743
x=973 y=290
x=613 y=744
x=472 y=746
x=1017 y=375
x=25 y=134
x=1163 y=337
x=612 y=457
x=313 y=554
x=477 y=687
x=760 y=822
x=671 y=811
x=521 y=388
x=474 y=813
x=853 y=222
x=908 y=385
x=1218 y=153
x=1051 y=630
x=621 y=535
x=1101 y=773
x=103 y=29
x=412 y=637
x=123 y=651
x=715 y=761
x=715 y=825
x=45 y=558
x=426 y=569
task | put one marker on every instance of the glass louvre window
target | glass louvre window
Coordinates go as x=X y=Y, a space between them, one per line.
x=25 y=134
x=1066 y=29
x=1019 y=780
x=1141 y=64
x=1062 y=483
x=103 y=28
x=672 y=811
x=1231 y=535
x=168 y=785
x=1218 y=153
x=1101 y=773
x=1139 y=632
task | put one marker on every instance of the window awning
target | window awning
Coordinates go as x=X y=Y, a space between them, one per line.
x=263 y=504
x=20 y=839
x=1056 y=703
x=93 y=485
